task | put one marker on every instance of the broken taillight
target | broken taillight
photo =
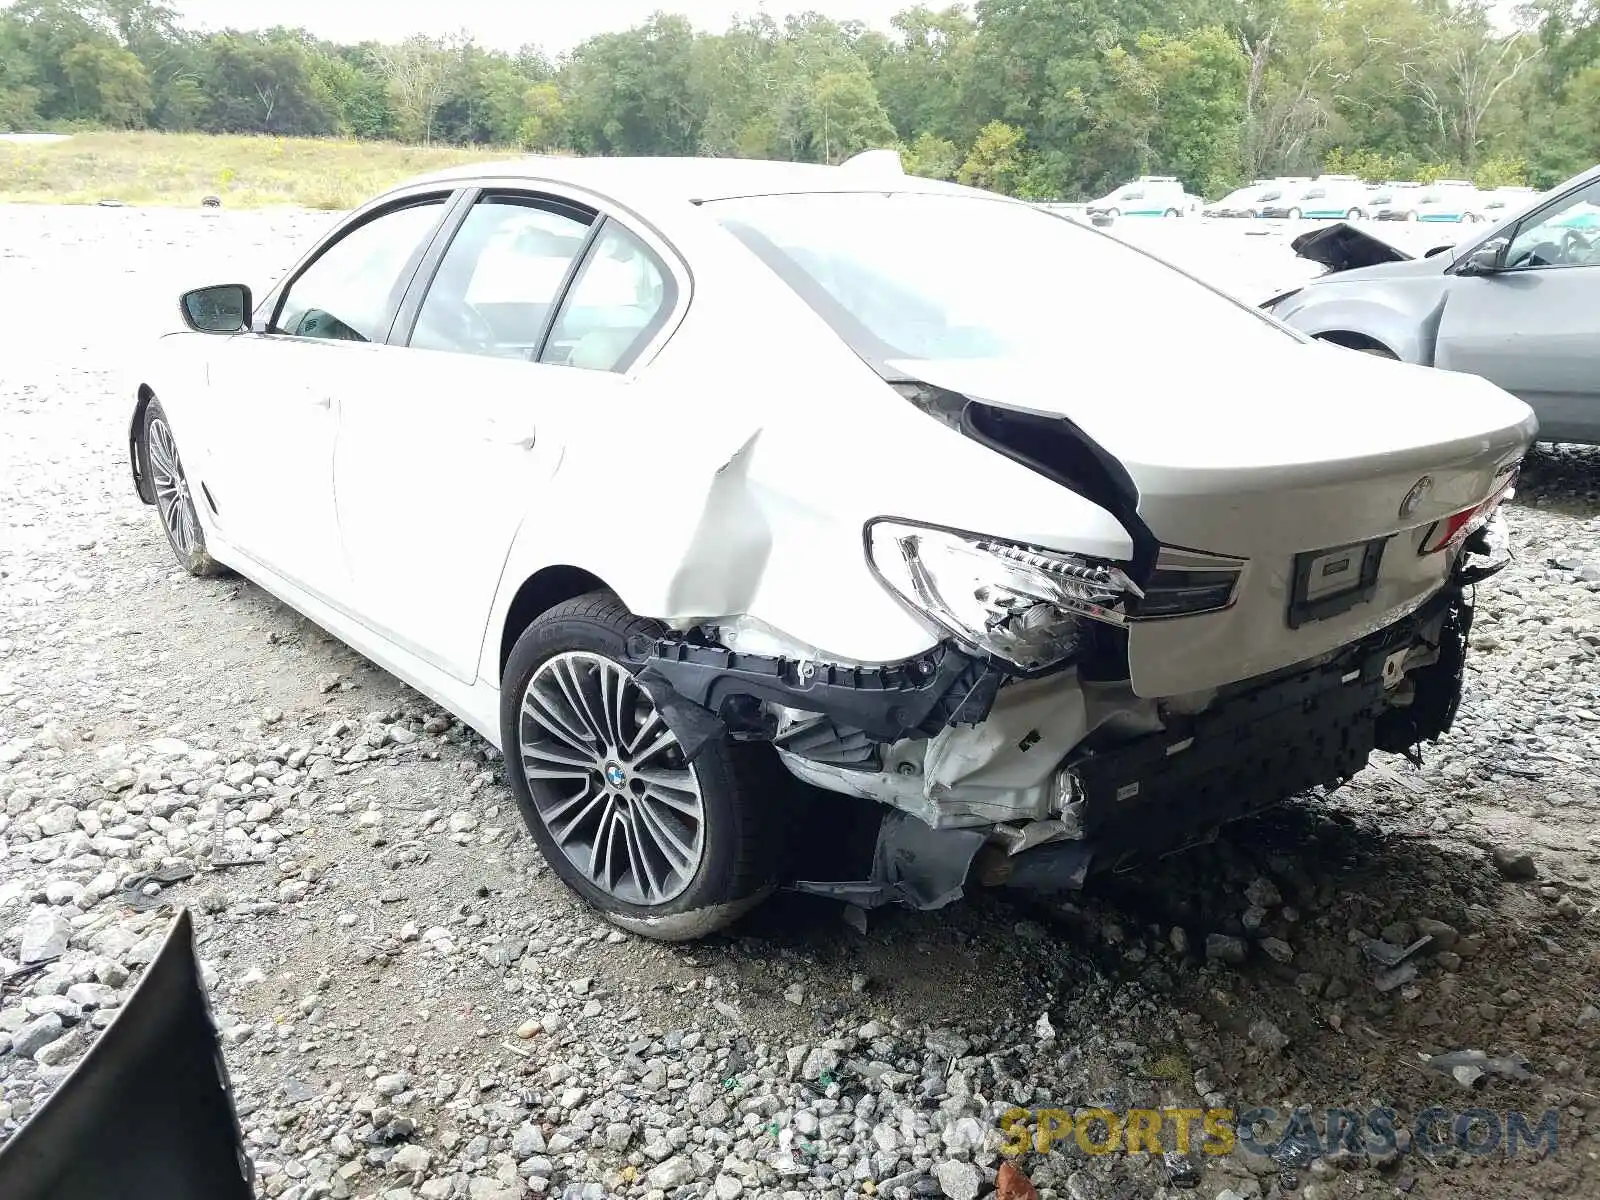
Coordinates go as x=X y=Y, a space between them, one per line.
x=1187 y=583
x=1451 y=531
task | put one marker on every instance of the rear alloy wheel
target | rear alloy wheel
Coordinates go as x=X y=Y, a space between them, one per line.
x=663 y=846
x=174 y=499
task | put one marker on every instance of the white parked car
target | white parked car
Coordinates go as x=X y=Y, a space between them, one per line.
x=1147 y=196
x=1391 y=195
x=664 y=473
x=1245 y=201
x=1448 y=201
x=1501 y=203
x=1328 y=197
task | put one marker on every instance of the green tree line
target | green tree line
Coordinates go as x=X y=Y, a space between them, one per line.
x=1040 y=98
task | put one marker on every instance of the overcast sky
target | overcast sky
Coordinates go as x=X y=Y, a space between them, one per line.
x=504 y=24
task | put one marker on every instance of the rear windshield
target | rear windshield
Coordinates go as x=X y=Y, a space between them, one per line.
x=922 y=276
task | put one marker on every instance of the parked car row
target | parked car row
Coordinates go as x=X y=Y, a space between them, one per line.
x=1347 y=198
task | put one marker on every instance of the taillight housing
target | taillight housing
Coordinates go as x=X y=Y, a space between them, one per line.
x=1451 y=531
x=1187 y=583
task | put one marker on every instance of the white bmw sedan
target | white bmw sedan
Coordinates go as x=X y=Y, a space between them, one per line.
x=667 y=474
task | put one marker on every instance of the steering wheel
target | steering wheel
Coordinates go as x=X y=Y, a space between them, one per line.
x=1573 y=243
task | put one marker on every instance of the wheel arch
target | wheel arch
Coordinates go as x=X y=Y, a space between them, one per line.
x=1355 y=341
x=537 y=595
x=1356 y=314
x=138 y=457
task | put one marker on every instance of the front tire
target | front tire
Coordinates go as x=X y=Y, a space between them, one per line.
x=1294 y=214
x=180 y=519
x=661 y=846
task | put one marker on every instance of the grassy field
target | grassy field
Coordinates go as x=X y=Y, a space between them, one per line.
x=182 y=168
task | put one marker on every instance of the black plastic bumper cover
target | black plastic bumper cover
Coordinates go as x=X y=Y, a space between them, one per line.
x=149 y=1113
x=1303 y=729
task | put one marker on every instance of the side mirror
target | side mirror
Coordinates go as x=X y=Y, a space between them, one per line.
x=1487 y=259
x=221 y=308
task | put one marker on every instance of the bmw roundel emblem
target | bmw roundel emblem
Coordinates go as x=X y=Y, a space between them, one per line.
x=1418 y=493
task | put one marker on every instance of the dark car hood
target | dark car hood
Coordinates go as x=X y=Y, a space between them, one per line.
x=1343 y=247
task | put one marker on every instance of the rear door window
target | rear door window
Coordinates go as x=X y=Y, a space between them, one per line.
x=622 y=296
x=504 y=272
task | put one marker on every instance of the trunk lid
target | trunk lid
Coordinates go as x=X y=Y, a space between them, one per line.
x=1303 y=448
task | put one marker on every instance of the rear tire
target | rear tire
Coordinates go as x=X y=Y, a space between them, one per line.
x=660 y=846
x=1113 y=213
x=180 y=519
x=1172 y=212
x=1355 y=214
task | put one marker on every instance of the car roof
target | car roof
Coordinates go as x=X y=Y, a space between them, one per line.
x=690 y=180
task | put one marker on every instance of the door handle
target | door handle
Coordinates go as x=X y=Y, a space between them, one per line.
x=525 y=440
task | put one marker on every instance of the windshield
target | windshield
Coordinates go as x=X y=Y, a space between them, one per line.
x=1273 y=195
x=926 y=276
x=1130 y=195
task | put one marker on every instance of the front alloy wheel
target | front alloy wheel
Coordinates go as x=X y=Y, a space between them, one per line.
x=663 y=846
x=174 y=498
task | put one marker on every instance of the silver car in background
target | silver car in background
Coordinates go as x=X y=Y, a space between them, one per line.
x=1518 y=305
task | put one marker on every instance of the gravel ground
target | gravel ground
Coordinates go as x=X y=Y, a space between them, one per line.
x=413 y=1007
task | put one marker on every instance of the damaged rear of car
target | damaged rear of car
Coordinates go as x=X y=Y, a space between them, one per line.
x=1154 y=600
